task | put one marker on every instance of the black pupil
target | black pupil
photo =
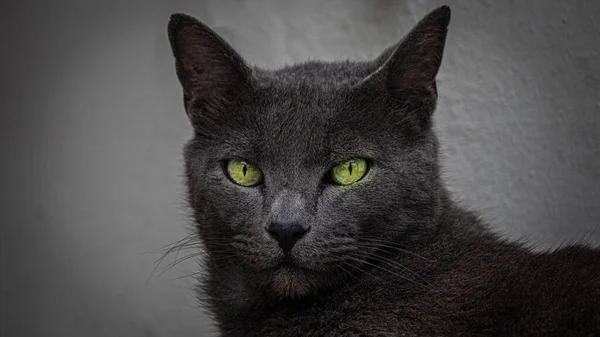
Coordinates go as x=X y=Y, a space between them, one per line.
x=244 y=169
x=350 y=168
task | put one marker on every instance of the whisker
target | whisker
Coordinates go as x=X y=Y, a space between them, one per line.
x=427 y=286
x=396 y=264
x=176 y=243
x=188 y=275
x=178 y=261
x=360 y=269
x=389 y=271
x=392 y=245
x=346 y=283
x=185 y=242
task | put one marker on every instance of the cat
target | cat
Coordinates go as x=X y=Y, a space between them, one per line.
x=316 y=192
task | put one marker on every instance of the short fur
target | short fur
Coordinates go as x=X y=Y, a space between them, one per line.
x=391 y=255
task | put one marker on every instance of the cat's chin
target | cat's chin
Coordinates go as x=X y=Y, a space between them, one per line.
x=290 y=277
x=292 y=282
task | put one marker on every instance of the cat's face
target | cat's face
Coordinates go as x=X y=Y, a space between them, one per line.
x=300 y=174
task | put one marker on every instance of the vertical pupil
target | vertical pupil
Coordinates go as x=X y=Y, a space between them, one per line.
x=350 y=168
x=244 y=169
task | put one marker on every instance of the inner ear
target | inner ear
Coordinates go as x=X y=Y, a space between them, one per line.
x=211 y=73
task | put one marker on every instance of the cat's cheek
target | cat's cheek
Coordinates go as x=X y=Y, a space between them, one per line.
x=240 y=207
x=337 y=210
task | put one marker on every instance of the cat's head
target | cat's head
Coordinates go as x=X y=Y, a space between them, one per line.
x=300 y=173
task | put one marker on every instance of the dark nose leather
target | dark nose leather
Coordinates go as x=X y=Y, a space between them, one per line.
x=287 y=234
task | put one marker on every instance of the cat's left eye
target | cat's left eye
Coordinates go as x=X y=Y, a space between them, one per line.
x=244 y=173
x=349 y=171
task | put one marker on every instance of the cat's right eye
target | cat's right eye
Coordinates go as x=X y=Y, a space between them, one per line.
x=244 y=173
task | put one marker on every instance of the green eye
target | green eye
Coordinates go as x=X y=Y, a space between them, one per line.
x=349 y=172
x=244 y=173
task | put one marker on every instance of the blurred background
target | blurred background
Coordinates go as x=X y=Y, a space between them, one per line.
x=93 y=126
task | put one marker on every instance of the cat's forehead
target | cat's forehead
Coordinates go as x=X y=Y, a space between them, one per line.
x=313 y=94
x=304 y=100
x=319 y=73
x=310 y=112
x=307 y=111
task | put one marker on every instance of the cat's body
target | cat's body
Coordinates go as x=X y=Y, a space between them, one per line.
x=298 y=251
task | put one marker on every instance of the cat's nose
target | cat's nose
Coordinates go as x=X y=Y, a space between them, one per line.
x=287 y=234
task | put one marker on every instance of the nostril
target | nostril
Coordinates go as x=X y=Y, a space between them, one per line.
x=301 y=232
x=272 y=232
x=287 y=234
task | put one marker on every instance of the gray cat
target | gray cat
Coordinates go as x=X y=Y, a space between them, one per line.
x=316 y=192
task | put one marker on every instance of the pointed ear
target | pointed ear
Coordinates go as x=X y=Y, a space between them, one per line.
x=211 y=73
x=408 y=70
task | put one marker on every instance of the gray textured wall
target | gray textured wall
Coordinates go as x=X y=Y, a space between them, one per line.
x=92 y=127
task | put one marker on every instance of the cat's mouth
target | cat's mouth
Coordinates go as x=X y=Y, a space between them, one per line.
x=289 y=262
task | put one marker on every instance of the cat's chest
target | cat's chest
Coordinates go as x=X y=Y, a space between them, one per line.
x=361 y=317
x=336 y=323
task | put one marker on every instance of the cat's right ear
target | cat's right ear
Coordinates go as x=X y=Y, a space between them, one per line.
x=211 y=73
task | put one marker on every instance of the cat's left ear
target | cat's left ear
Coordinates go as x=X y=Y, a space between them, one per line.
x=407 y=71
x=211 y=73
